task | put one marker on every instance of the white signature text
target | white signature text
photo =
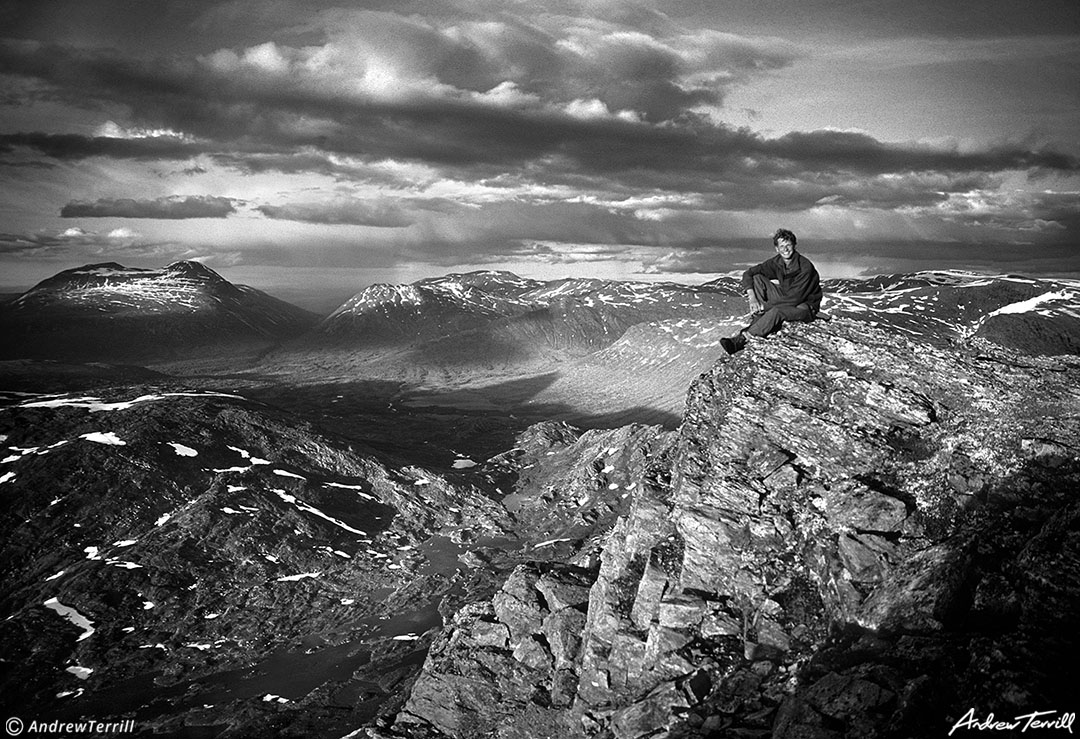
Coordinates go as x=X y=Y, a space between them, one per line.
x=1033 y=720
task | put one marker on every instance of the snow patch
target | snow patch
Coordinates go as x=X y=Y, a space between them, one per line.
x=301 y=576
x=183 y=451
x=73 y=616
x=1027 y=306
x=550 y=542
x=95 y=405
x=315 y=511
x=80 y=672
x=359 y=489
x=107 y=437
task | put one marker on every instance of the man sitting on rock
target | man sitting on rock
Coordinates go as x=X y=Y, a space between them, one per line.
x=784 y=288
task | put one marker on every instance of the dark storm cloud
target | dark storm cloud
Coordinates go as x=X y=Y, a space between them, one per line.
x=308 y=160
x=856 y=152
x=73 y=146
x=195 y=206
x=935 y=18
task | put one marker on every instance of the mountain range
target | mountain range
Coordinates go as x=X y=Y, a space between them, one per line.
x=481 y=505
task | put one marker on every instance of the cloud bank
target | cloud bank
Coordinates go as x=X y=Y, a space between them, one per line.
x=560 y=132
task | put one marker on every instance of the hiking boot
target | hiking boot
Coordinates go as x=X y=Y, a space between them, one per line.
x=733 y=344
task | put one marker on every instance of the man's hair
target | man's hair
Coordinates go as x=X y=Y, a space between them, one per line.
x=783 y=233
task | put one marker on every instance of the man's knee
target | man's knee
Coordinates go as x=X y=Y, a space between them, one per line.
x=763 y=289
x=766 y=323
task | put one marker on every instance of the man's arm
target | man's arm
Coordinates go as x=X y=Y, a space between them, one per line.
x=766 y=269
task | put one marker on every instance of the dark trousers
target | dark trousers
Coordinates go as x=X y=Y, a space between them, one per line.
x=778 y=309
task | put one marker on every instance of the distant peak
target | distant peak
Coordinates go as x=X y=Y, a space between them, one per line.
x=187 y=268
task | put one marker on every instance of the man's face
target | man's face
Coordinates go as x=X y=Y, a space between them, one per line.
x=785 y=248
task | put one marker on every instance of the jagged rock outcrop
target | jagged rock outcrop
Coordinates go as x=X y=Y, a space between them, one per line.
x=851 y=534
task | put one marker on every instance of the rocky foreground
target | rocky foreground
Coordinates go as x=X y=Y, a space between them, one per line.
x=850 y=535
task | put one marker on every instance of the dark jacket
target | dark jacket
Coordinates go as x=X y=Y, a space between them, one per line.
x=799 y=283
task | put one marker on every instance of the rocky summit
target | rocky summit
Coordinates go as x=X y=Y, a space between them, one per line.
x=866 y=526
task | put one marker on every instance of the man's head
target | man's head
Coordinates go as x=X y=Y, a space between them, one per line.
x=784 y=241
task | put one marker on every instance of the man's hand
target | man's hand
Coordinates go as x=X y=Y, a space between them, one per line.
x=755 y=304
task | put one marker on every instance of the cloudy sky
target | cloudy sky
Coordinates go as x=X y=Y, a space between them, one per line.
x=319 y=145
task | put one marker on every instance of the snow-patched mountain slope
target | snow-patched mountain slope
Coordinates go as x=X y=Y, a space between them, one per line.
x=393 y=314
x=1031 y=315
x=500 y=308
x=108 y=311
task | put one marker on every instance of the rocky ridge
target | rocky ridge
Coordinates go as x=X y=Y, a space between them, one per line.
x=851 y=534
